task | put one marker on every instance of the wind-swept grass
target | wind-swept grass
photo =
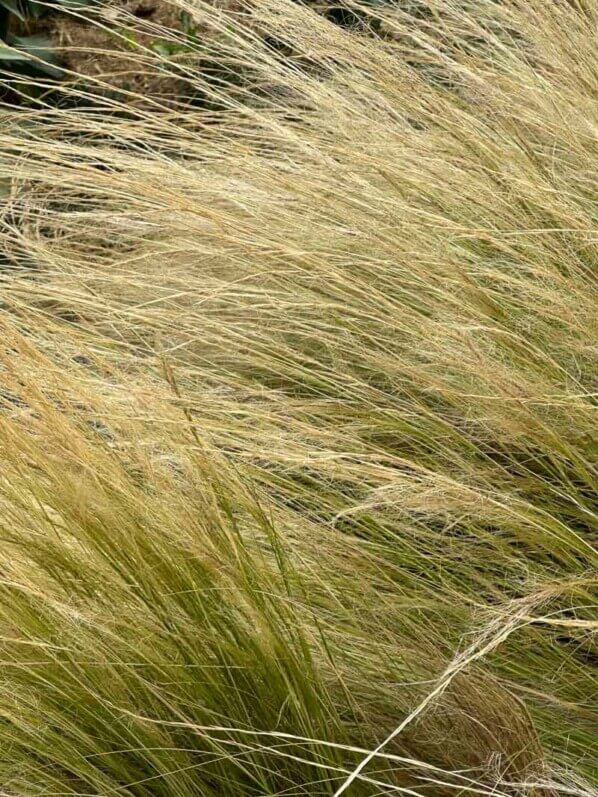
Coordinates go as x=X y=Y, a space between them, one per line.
x=298 y=412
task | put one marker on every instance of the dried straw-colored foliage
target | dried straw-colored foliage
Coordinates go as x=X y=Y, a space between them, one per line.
x=298 y=411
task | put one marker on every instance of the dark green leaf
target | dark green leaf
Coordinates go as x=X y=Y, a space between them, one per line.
x=76 y=3
x=10 y=54
x=16 y=7
x=37 y=49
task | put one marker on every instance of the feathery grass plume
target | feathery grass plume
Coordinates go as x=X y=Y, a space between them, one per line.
x=298 y=406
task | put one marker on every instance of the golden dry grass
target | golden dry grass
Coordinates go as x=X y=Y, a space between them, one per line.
x=299 y=459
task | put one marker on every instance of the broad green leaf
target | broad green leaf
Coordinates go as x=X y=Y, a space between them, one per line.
x=39 y=47
x=76 y=3
x=16 y=7
x=36 y=9
x=10 y=54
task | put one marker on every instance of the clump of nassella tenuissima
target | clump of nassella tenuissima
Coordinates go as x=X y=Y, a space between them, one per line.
x=298 y=380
